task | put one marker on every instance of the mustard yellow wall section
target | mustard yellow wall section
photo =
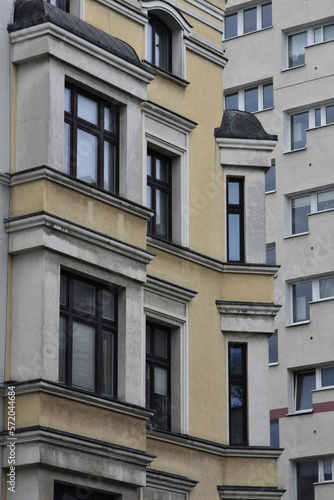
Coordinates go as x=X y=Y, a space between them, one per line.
x=67 y=203
x=116 y=24
x=9 y=318
x=250 y=472
x=66 y=415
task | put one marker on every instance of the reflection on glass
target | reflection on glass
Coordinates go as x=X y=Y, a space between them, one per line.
x=233 y=193
x=325 y=201
x=237 y=414
x=236 y=360
x=251 y=100
x=149 y=165
x=161 y=343
x=108 y=363
x=67 y=100
x=327 y=376
x=67 y=148
x=270 y=179
x=326 y=287
x=149 y=43
x=271 y=256
x=231 y=101
x=329 y=114
x=317 y=35
x=307 y=475
x=84 y=297
x=268 y=96
x=87 y=157
x=296 y=49
x=305 y=386
x=87 y=109
x=301 y=297
x=300 y=209
x=273 y=348
x=83 y=356
x=231 y=26
x=161 y=216
x=109 y=120
x=327 y=465
x=329 y=32
x=161 y=397
x=106 y=301
x=161 y=167
x=318 y=117
x=299 y=125
x=266 y=15
x=109 y=170
x=274 y=434
x=234 y=237
x=250 y=20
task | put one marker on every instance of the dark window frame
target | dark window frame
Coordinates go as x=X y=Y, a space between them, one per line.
x=165 y=187
x=236 y=209
x=70 y=492
x=239 y=379
x=157 y=23
x=70 y=314
x=76 y=123
x=153 y=361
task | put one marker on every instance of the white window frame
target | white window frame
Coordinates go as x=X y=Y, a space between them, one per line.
x=311 y=121
x=240 y=20
x=315 y=296
x=314 y=208
x=318 y=385
x=241 y=96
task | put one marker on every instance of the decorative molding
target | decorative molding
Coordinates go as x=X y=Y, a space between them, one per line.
x=249 y=493
x=50 y=174
x=170 y=482
x=247 y=317
x=247 y=153
x=170 y=290
x=168 y=7
x=4 y=179
x=200 y=46
x=127 y=9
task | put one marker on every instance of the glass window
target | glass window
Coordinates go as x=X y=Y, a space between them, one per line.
x=271 y=255
x=327 y=469
x=273 y=348
x=270 y=179
x=301 y=297
x=231 y=101
x=305 y=384
x=317 y=35
x=158 y=374
x=274 y=434
x=251 y=100
x=237 y=394
x=159 y=43
x=299 y=125
x=296 y=49
x=64 y=491
x=325 y=201
x=300 y=209
x=61 y=4
x=307 y=475
x=250 y=20
x=235 y=220
x=87 y=336
x=159 y=193
x=328 y=32
x=91 y=144
x=317 y=113
x=268 y=96
x=327 y=376
x=231 y=26
x=266 y=15
x=329 y=114
x=326 y=287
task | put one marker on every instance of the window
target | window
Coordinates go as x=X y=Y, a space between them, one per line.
x=274 y=434
x=61 y=4
x=91 y=139
x=237 y=393
x=296 y=49
x=301 y=207
x=252 y=99
x=313 y=118
x=323 y=33
x=301 y=297
x=270 y=179
x=235 y=220
x=273 y=348
x=158 y=374
x=311 y=380
x=271 y=254
x=159 y=194
x=159 y=43
x=64 y=491
x=307 y=475
x=88 y=336
x=248 y=20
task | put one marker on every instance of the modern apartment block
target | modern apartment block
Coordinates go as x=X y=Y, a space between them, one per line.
x=136 y=302
x=281 y=68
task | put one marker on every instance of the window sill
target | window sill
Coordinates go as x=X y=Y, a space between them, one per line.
x=293 y=67
x=167 y=74
x=295 y=235
x=300 y=412
x=270 y=192
x=295 y=150
x=246 y=34
x=274 y=364
x=306 y=322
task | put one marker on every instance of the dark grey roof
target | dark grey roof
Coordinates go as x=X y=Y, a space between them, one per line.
x=34 y=12
x=242 y=125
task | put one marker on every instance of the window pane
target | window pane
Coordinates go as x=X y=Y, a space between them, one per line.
x=299 y=124
x=296 y=47
x=327 y=465
x=148 y=385
x=270 y=179
x=271 y=256
x=326 y=287
x=150 y=43
x=325 y=200
x=109 y=171
x=149 y=165
x=305 y=386
x=107 y=303
x=108 y=349
x=83 y=356
x=301 y=295
x=110 y=120
x=318 y=117
x=329 y=32
x=307 y=475
x=161 y=343
x=268 y=96
x=161 y=216
x=233 y=193
x=236 y=360
x=84 y=297
x=63 y=290
x=87 y=157
x=273 y=348
x=67 y=106
x=161 y=45
x=62 y=345
x=234 y=237
x=274 y=434
x=161 y=397
x=237 y=414
x=250 y=20
x=231 y=26
x=161 y=169
x=317 y=35
x=329 y=114
x=266 y=15
x=67 y=148
x=327 y=376
x=251 y=100
x=231 y=101
x=300 y=208
x=87 y=109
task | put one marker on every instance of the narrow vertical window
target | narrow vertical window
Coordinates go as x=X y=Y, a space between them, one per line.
x=237 y=365
x=273 y=348
x=301 y=298
x=231 y=101
x=296 y=49
x=159 y=44
x=266 y=15
x=305 y=384
x=250 y=20
x=270 y=179
x=299 y=125
x=268 y=96
x=300 y=209
x=159 y=194
x=274 y=434
x=307 y=475
x=235 y=220
x=231 y=26
x=158 y=374
x=251 y=100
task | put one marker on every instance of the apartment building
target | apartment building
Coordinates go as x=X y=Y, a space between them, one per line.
x=281 y=69
x=136 y=299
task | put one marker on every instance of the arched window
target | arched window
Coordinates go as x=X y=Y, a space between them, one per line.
x=159 y=43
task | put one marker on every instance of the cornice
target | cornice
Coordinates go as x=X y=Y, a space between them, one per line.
x=165 y=116
x=172 y=482
x=249 y=308
x=168 y=289
x=4 y=179
x=199 y=46
x=128 y=8
x=249 y=493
